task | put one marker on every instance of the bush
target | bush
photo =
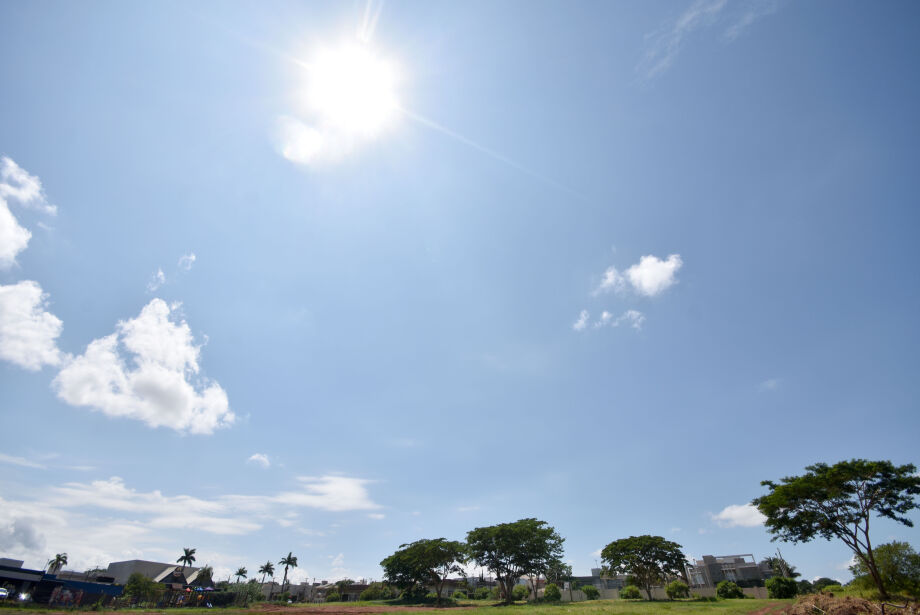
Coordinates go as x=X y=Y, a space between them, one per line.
x=677 y=589
x=552 y=593
x=782 y=587
x=520 y=592
x=727 y=590
x=591 y=592
x=481 y=593
x=495 y=593
x=459 y=595
x=333 y=596
x=833 y=589
x=376 y=591
x=630 y=592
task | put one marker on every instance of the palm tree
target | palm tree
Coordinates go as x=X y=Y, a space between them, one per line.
x=55 y=565
x=267 y=568
x=205 y=576
x=288 y=562
x=187 y=558
x=241 y=572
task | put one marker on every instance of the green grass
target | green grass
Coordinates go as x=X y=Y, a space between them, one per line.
x=591 y=607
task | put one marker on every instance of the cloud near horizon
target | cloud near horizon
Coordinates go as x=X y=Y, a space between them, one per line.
x=159 y=387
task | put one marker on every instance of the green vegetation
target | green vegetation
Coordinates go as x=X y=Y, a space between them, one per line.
x=838 y=502
x=142 y=589
x=727 y=590
x=782 y=587
x=423 y=562
x=630 y=592
x=512 y=550
x=647 y=558
x=677 y=589
x=591 y=592
x=520 y=592
x=187 y=558
x=377 y=591
x=551 y=593
x=898 y=565
x=288 y=562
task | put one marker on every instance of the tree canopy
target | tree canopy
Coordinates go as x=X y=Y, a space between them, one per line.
x=648 y=558
x=839 y=501
x=899 y=566
x=426 y=561
x=512 y=550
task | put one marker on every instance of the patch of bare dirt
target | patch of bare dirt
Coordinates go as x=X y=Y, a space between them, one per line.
x=349 y=610
x=828 y=604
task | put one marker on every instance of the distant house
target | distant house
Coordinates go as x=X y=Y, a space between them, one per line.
x=171 y=575
x=741 y=569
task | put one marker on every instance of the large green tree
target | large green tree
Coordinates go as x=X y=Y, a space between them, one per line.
x=512 y=550
x=839 y=501
x=781 y=568
x=649 y=559
x=899 y=566
x=426 y=561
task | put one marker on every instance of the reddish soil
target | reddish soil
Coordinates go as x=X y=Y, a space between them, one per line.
x=336 y=609
x=773 y=606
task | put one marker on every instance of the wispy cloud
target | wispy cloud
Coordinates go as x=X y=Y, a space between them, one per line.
x=20 y=461
x=582 y=322
x=634 y=318
x=157 y=280
x=664 y=45
x=260 y=459
x=771 y=384
x=186 y=261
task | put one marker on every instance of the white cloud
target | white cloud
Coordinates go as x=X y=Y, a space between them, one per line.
x=377 y=516
x=259 y=459
x=633 y=318
x=28 y=332
x=652 y=276
x=663 y=46
x=160 y=387
x=13 y=237
x=335 y=493
x=187 y=260
x=739 y=515
x=769 y=385
x=17 y=184
x=20 y=461
x=157 y=280
x=753 y=11
x=582 y=321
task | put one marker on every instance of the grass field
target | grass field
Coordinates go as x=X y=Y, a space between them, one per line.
x=593 y=607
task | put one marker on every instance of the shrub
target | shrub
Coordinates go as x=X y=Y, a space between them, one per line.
x=782 y=587
x=591 y=592
x=520 y=592
x=677 y=589
x=376 y=591
x=630 y=592
x=481 y=593
x=552 y=593
x=727 y=589
x=833 y=589
x=495 y=593
x=459 y=595
x=333 y=596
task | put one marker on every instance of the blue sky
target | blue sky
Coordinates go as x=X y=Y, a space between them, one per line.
x=329 y=278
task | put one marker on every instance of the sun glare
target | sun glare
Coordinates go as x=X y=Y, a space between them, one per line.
x=352 y=89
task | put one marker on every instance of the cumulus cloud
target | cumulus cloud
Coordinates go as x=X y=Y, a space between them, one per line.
x=739 y=515
x=159 y=386
x=259 y=459
x=187 y=260
x=28 y=332
x=650 y=276
x=17 y=185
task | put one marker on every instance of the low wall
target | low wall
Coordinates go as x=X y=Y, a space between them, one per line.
x=658 y=593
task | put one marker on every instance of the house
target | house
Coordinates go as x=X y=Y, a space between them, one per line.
x=172 y=575
x=741 y=569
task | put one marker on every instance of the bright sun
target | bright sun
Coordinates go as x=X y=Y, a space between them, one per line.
x=352 y=90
